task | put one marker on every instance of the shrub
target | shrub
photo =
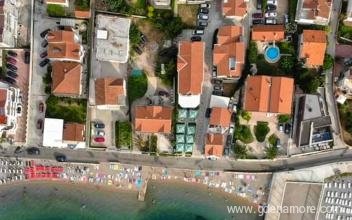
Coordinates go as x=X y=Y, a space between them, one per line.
x=283 y=118
x=240 y=151
x=244 y=134
x=246 y=115
x=271 y=152
x=261 y=130
x=82 y=4
x=328 y=62
x=273 y=140
x=252 y=52
x=154 y=143
x=55 y=10
x=136 y=87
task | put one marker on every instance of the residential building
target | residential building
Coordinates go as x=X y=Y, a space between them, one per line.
x=312 y=47
x=269 y=94
x=64 y=46
x=112 y=38
x=153 y=119
x=8 y=23
x=161 y=4
x=64 y=3
x=314 y=12
x=348 y=19
x=344 y=85
x=214 y=145
x=110 y=92
x=10 y=107
x=67 y=78
x=313 y=123
x=74 y=135
x=220 y=120
x=190 y=68
x=229 y=52
x=235 y=9
x=268 y=33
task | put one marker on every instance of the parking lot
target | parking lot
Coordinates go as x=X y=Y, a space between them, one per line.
x=274 y=13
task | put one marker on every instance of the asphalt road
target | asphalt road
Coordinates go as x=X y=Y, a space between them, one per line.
x=297 y=162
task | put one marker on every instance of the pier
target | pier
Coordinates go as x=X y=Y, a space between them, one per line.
x=143 y=191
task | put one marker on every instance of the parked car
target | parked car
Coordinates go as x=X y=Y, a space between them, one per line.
x=271 y=7
x=208 y=112
x=229 y=140
x=257 y=15
x=257 y=21
x=198 y=32
x=278 y=143
x=232 y=128
x=214 y=72
x=218 y=87
x=44 y=33
x=11 y=67
x=204 y=10
x=40 y=124
x=205 y=5
x=33 y=150
x=60 y=158
x=11 y=61
x=99 y=125
x=203 y=16
x=259 y=4
x=44 y=54
x=10 y=80
x=271 y=2
x=196 y=38
x=18 y=150
x=201 y=28
x=286 y=18
x=11 y=74
x=26 y=57
x=12 y=53
x=138 y=50
x=270 y=21
x=270 y=14
x=41 y=107
x=19 y=109
x=44 y=62
x=281 y=127
x=144 y=38
x=44 y=43
x=163 y=93
x=100 y=133
x=202 y=23
x=287 y=128
x=99 y=139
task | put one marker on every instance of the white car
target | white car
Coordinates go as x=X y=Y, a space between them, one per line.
x=205 y=5
x=271 y=14
x=100 y=133
x=203 y=16
x=272 y=2
x=270 y=21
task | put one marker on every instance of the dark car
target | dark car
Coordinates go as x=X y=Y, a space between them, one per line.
x=40 y=124
x=208 y=112
x=11 y=59
x=12 y=53
x=201 y=28
x=203 y=10
x=33 y=150
x=271 y=7
x=202 y=23
x=163 y=93
x=44 y=43
x=10 y=80
x=258 y=21
x=99 y=125
x=138 y=50
x=44 y=54
x=41 y=107
x=44 y=62
x=44 y=33
x=60 y=158
x=18 y=150
x=11 y=74
x=11 y=67
x=259 y=4
x=27 y=57
x=257 y=15
x=196 y=38
x=287 y=128
x=144 y=38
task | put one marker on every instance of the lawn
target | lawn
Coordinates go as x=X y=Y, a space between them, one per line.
x=69 y=109
x=261 y=130
x=123 y=134
x=121 y=6
x=137 y=86
x=244 y=134
x=188 y=14
x=55 y=10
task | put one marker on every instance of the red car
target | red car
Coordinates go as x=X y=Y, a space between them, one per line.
x=41 y=107
x=11 y=60
x=99 y=139
x=257 y=15
x=40 y=124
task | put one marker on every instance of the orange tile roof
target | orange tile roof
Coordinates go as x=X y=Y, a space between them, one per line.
x=3 y=97
x=74 y=132
x=109 y=91
x=269 y=94
x=313 y=47
x=190 y=67
x=60 y=36
x=231 y=8
x=82 y=14
x=268 y=33
x=64 y=50
x=220 y=117
x=229 y=52
x=318 y=8
x=3 y=119
x=66 y=78
x=214 y=145
x=153 y=119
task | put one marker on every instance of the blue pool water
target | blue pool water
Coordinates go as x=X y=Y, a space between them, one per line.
x=272 y=54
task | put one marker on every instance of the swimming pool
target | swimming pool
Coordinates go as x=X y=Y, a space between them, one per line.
x=272 y=54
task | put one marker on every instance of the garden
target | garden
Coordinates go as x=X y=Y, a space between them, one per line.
x=54 y=10
x=168 y=57
x=261 y=130
x=137 y=85
x=123 y=135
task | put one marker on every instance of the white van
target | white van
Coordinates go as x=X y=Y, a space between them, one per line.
x=198 y=32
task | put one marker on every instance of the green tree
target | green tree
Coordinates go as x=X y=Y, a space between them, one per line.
x=286 y=64
x=244 y=134
x=273 y=140
x=271 y=152
x=154 y=144
x=252 y=52
x=240 y=151
x=308 y=80
x=150 y=13
x=135 y=35
x=136 y=87
x=246 y=115
x=283 y=118
x=328 y=62
x=261 y=130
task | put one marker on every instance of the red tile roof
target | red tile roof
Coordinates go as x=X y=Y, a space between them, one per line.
x=74 y=132
x=220 y=117
x=3 y=99
x=153 y=119
x=190 y=67
x=269 y=94
x=313 y=47
x=109 y=91
x=214 y=145
x=82 y=14
x=66 y=78
x=318 y=8
x=268 y=33
x=234 y=8
x=62 y=45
